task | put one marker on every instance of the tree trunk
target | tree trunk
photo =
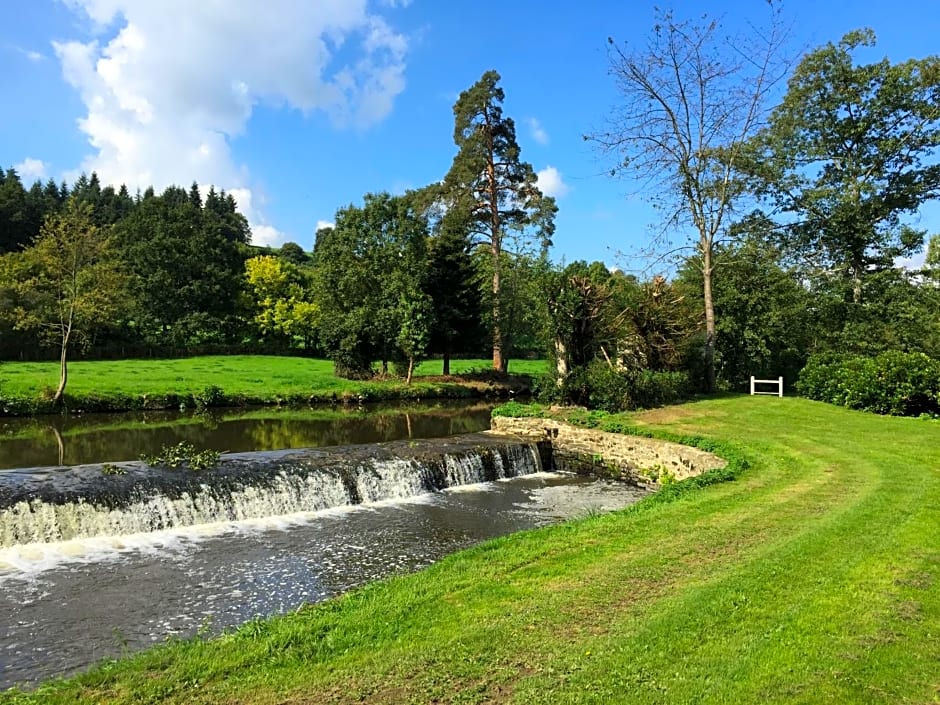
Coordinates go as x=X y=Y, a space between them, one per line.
x=561 y=361
x=498 y=363
x=63 y=371
x=857 y=282
x=709 y=349
x=411 y=369
x=446 y=359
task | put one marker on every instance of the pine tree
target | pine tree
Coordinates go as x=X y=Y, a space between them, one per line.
x=492 y=189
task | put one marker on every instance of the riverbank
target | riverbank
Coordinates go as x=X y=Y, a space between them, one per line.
x=810 y=578
x=27 y=388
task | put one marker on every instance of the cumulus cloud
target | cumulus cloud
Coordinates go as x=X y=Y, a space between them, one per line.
x=550 y=182
x=31 y=169
x=321 y=224
x=167 y=85
x=537 y=131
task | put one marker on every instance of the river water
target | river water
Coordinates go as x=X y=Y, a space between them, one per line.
x=98 y=438
x=65 y=605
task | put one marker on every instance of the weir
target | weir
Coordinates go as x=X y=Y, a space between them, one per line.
x=45 y=505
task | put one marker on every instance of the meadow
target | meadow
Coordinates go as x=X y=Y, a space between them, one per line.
x=807 y=572
x=116 y=385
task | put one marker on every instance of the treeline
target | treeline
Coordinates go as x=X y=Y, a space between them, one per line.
x=811 y=264
x=182 y=256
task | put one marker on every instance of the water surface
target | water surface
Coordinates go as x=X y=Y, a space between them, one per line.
x=100 y=438
x=63 y=607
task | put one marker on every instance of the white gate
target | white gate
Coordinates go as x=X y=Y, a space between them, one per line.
x=778 y=382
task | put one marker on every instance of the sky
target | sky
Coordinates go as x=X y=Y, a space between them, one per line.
x=300 y=107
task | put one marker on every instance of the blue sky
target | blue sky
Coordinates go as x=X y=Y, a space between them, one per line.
x=301 y=106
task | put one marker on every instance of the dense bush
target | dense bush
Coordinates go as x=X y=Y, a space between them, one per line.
x=896 y=383
x=600 y=386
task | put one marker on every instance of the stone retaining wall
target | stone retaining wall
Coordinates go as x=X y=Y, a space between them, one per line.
x=645 y=461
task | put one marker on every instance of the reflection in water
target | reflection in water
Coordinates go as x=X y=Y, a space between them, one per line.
x=105 y=599
x=97 y=438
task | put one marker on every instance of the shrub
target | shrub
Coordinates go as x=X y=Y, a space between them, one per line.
x=600 y=386
x=895 y=383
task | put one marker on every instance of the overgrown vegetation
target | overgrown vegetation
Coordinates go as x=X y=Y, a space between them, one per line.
x=183 y=453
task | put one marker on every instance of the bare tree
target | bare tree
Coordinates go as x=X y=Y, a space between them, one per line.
x=691 y=99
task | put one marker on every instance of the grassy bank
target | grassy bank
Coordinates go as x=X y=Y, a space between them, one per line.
x=813 y=577
x=121 y=385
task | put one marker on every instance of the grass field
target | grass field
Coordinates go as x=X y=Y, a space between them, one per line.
x=257 y=378
x=814 y=577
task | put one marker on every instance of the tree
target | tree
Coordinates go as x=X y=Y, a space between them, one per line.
x=281 y=302
x=188 y=266
x=293 y=253
x=580 y=315
x=851 y=150
x=690 y=100
x=69 y=280
x=453 y=291
x=370 y=272
x=492 y=189
x=767 y=319
x=932 y=258
x=14 y=218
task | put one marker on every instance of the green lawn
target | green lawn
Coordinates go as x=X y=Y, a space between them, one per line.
x=257 y=378
x=814 y=577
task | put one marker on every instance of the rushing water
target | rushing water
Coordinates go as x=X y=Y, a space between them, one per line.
x=87 y=600
x=260 y=535
x=97 y=438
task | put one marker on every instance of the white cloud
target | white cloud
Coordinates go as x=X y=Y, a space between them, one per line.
x=31 y=169
x=550 y=182
x=915 y=263
x=173 y=82
x=325 y=224
x=538 y=132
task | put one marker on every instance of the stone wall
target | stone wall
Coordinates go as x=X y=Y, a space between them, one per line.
x=645 y=461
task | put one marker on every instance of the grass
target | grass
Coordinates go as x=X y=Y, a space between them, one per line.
x=813 y=577
x=130 y=384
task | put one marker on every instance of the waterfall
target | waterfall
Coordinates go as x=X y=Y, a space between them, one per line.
x=48 y=505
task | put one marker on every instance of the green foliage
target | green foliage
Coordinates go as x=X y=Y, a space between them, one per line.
x=187 y=262
x=689 y=104
x=280 y=299
x=515 y=409
x=370 y=272
x=112 y=469
x=850 y=151
x=600 y=386
x=896 y=383
x=183 y=453
x=767 y=322
x=211 y=396
x=493 y=193
x=66 y=283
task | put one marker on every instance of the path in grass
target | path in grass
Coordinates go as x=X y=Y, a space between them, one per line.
x=815 y=577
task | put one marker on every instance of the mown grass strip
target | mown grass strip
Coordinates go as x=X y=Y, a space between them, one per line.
x=813 y=577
